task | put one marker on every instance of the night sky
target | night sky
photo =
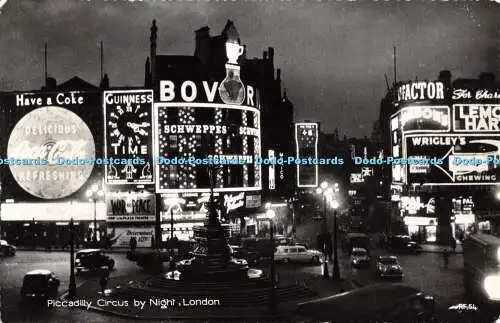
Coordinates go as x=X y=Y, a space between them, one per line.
x=333 y=54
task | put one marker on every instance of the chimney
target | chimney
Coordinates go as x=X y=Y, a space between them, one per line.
x=153 y=38
x=202 y=40
x=271 y=53
x=104 y=83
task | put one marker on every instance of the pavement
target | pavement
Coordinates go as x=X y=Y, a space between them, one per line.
x=439 y=249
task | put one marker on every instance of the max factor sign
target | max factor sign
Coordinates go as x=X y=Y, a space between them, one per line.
x=420 y=91
x=32 y=100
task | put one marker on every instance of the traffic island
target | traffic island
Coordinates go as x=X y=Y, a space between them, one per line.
x=148 y=300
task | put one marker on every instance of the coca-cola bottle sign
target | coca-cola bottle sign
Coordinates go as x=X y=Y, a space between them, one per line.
x=52 y=135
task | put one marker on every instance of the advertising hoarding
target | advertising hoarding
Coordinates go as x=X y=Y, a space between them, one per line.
x=471 y=159
x=131 y=207
x=420 y=118
x=306 y=141
x=63 y=145
x=476 y=118
x=128 y=135
x=119 y=237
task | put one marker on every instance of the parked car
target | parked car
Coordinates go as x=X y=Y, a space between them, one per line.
x=389 y=267
x=7 y=249
x=40 y=284
x=373 y=303
x=360 y=258
x=297 y=254
x=403 y=244
x=240 y=253
x=92 y=260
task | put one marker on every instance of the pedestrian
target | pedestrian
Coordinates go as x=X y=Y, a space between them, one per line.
x=453 y=244
x=446 y=257
x=133 y=244
x=104 y=279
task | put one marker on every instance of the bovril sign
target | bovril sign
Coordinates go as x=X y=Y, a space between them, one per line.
x=207 y=92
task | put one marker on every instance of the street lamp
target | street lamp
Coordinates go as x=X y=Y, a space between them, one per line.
x=93 y=194
x=326 y=192
x=271 y=214
x=72 y=281
x=336 y=270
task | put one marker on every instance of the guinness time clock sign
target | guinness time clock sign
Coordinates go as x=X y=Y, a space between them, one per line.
x=128 y=128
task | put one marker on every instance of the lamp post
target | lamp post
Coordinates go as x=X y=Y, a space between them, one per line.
x=72 y=282
x=336 y=269
x=273 y=304
x=93 y=193
x=326 y=193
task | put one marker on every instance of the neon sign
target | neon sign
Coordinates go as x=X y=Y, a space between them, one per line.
x=476 y=117
x=306 y=140
x=425 y=118
x=128 y=134
x=421 y=91
x=50 y=133
x=233 y=202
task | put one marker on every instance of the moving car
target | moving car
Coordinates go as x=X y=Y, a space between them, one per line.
x=92 y=260
x=240 y=253
x=7 y=249
x=389 y=267
x=373 y=303
x=356 y=240
x=402 y=243
x=360 y=258
x=300 y=254
x=40 y=284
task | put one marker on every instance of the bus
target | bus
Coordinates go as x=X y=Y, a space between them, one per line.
x=481 y=254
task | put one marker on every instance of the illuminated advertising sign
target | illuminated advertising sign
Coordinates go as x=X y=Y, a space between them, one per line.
x=420 y=91
x=253 y=201
x=476 y=118
x=131 y=207
x=272 y=171
x=190 y=138
x=398 y=171
x=481 y=94
x=187 y=206
x=234 y=201
x=128 y=135
x=59 y=139
x=425 y=119
x=119 y=237
x=455 y=159
x=306 y=140
x=415 y=205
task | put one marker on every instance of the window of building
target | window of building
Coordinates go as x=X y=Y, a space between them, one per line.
x=173 y=142
x=236 y=176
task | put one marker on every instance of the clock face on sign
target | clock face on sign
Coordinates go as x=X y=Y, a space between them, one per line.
x=129 y=125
